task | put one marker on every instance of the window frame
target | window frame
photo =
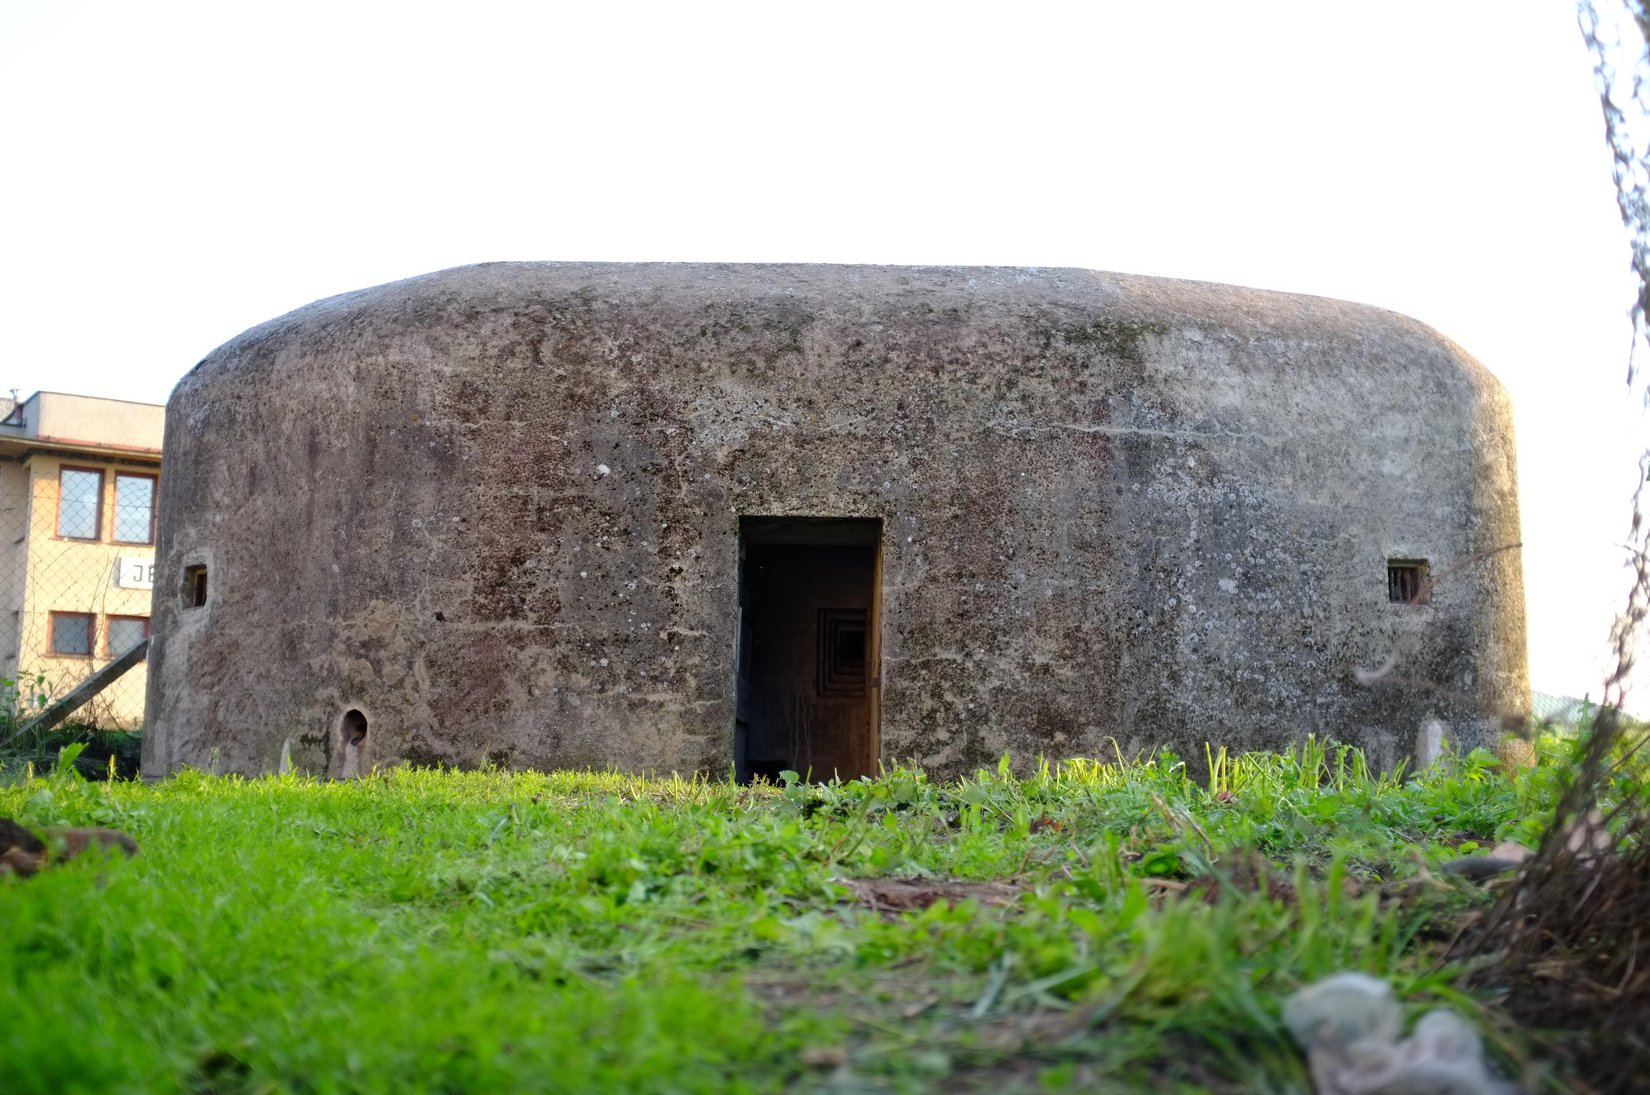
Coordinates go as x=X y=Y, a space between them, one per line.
x=108 y=631
x=154 y=506
x=51 y=634
x=57 y=524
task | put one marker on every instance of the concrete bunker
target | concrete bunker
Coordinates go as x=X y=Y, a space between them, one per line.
x=816 y=518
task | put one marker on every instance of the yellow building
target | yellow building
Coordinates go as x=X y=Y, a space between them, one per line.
x=79 y=479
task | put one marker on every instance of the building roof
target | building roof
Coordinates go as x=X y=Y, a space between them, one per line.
x=83 y=424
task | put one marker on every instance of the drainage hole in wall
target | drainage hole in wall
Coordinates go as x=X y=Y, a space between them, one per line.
x=355 y=727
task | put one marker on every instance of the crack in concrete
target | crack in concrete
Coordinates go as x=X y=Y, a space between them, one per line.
x=1020 y=431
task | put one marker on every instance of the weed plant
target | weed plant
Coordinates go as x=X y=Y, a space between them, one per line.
x=1096 y=926
x=107 y=754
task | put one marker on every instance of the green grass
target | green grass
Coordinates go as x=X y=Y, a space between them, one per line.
x=495 y=931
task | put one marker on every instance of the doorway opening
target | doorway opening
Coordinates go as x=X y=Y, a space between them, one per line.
x=807 y=683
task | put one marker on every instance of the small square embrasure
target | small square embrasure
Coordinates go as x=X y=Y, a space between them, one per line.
x=842 y=652
x=1406 y=581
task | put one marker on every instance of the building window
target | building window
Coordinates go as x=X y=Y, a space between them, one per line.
x=79 y=504
x=72 y=633
x=124 y=633
x=134 y=509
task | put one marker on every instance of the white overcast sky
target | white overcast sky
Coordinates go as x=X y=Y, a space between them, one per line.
x=175 y=172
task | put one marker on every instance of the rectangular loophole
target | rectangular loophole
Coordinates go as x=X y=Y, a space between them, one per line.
x=841 y=657
x=194 y=586
x=1406 y=581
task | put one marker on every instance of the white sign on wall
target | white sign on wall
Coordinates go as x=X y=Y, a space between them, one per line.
x=134 y=572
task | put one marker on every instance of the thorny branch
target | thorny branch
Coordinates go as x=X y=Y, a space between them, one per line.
x=1565 y=941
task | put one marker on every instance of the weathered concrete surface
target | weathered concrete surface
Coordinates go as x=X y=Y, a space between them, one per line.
x=496 y=510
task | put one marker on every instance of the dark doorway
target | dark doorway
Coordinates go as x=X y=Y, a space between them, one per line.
x=807 y=678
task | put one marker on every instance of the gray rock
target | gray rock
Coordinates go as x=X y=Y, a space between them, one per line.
x=1349 y=1026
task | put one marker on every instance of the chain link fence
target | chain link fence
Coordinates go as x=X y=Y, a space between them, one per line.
x=76 y=572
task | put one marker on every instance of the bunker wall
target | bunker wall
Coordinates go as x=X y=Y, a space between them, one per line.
x=496 y=510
